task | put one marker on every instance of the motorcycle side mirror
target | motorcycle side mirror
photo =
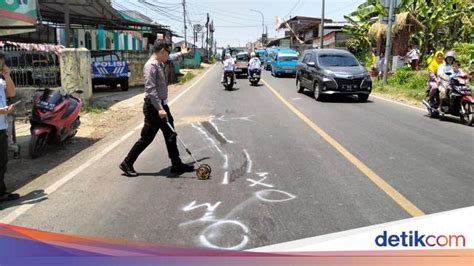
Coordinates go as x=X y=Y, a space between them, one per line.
x=79 y=91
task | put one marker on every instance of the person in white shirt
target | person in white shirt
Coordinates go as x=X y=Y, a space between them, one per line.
x=229 y=65
x=444 y=72
x=414 y=57
x=254 y=62
x=7 y=90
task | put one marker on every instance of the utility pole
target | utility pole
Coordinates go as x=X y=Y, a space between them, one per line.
x=207 y=36
x=184 y=17
x=388 y=45
x=67 y=24
x=322 y=25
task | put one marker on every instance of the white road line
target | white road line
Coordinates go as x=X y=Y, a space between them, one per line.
x=399 y=103
x=249 y=165
x=52 y=188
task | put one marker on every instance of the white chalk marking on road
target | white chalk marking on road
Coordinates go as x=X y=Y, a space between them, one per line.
x=220 y=133
x=297 y=99
x=226 y=178
x=226 y=161
x=259 y=182
x=208 y=216
x=213 y=230
x=262 y=174
x=263 y=194
x=211 y=140
x=249 y=162
x=399 y=103
x=24 y=208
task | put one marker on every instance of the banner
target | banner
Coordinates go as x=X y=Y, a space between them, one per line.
x=17 y=15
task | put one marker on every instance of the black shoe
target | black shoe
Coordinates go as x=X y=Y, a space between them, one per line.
x=128 y=170
x=9 y=196
x=180 y=167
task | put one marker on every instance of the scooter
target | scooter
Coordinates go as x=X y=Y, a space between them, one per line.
x=229 y=80
x=54 y=119
x=254 y=76
x=461 y=99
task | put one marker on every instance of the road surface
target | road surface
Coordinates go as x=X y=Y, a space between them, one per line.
x=285 y=167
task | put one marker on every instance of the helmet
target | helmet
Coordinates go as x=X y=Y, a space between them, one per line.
x=252 y=54
x=227 y=55
x=450 y=54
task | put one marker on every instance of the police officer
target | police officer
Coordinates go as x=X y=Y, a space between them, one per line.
x=156 y=110
x=7 y=89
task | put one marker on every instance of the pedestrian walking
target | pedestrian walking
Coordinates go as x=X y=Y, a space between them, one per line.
x=156 y=110
x=7 y=90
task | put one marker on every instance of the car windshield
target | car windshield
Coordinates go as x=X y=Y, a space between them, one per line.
x=337 y=60
x=287 y=58
x=242 y=57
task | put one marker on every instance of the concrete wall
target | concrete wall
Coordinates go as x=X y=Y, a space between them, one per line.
x=76 y=71
x=136 y=74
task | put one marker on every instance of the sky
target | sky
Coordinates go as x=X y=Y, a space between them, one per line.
x=235 y=24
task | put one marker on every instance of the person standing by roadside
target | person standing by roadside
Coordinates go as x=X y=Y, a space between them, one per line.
x=156 y=110
x=414 y=57
x=7 y=90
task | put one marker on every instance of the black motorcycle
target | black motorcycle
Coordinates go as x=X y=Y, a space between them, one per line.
x=229 y=80
x=254 y=76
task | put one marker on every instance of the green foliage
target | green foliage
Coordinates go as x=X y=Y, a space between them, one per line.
x=402 y=75
x=187 y=77
x=93 y=108
x=446 y=22
x=405 y=83
x=465 y=54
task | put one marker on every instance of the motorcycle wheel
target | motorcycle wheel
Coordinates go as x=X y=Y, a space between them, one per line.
x=37 y=145
x=467 y=118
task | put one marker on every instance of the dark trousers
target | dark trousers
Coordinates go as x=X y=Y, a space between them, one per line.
x=3 y=159
x=153 y=123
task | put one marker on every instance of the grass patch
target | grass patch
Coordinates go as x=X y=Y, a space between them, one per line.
x=94 y=109
x=185 y=78
x=404 y=83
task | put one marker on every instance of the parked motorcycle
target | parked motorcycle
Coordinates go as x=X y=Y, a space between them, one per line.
x=462 y=102
x=229 y=80
x=54 y=119
x=254 y=76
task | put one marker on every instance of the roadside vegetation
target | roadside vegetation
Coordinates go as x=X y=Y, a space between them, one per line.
x=447 y=25
x=186 y=77
x=93 y=108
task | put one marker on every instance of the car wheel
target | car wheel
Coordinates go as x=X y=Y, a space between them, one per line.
x=299 y=88
x=363 y=97
x=124 y=85
x=317 y=92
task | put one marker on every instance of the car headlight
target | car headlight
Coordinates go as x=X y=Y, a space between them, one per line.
x=329 y=74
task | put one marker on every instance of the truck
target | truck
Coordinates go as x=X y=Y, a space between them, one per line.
x=108 y=69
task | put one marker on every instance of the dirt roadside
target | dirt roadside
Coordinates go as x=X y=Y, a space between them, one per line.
x=111 y=110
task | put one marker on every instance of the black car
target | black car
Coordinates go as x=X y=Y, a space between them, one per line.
x=332 y=71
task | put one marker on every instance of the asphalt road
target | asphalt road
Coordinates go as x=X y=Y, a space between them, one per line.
x=285 y=167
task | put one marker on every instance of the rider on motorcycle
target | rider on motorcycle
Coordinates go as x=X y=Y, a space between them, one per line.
x=443 y=74
x=254 y=63
x=229 y=65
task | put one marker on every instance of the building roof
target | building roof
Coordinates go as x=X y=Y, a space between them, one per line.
x=86 y=12
x=304 y=20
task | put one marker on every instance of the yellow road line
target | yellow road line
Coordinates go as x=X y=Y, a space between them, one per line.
x=407 y=205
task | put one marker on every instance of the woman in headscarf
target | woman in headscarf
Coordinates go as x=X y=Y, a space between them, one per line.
x=433 y=79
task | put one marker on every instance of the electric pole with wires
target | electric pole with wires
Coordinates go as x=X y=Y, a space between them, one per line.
x=184 y=17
